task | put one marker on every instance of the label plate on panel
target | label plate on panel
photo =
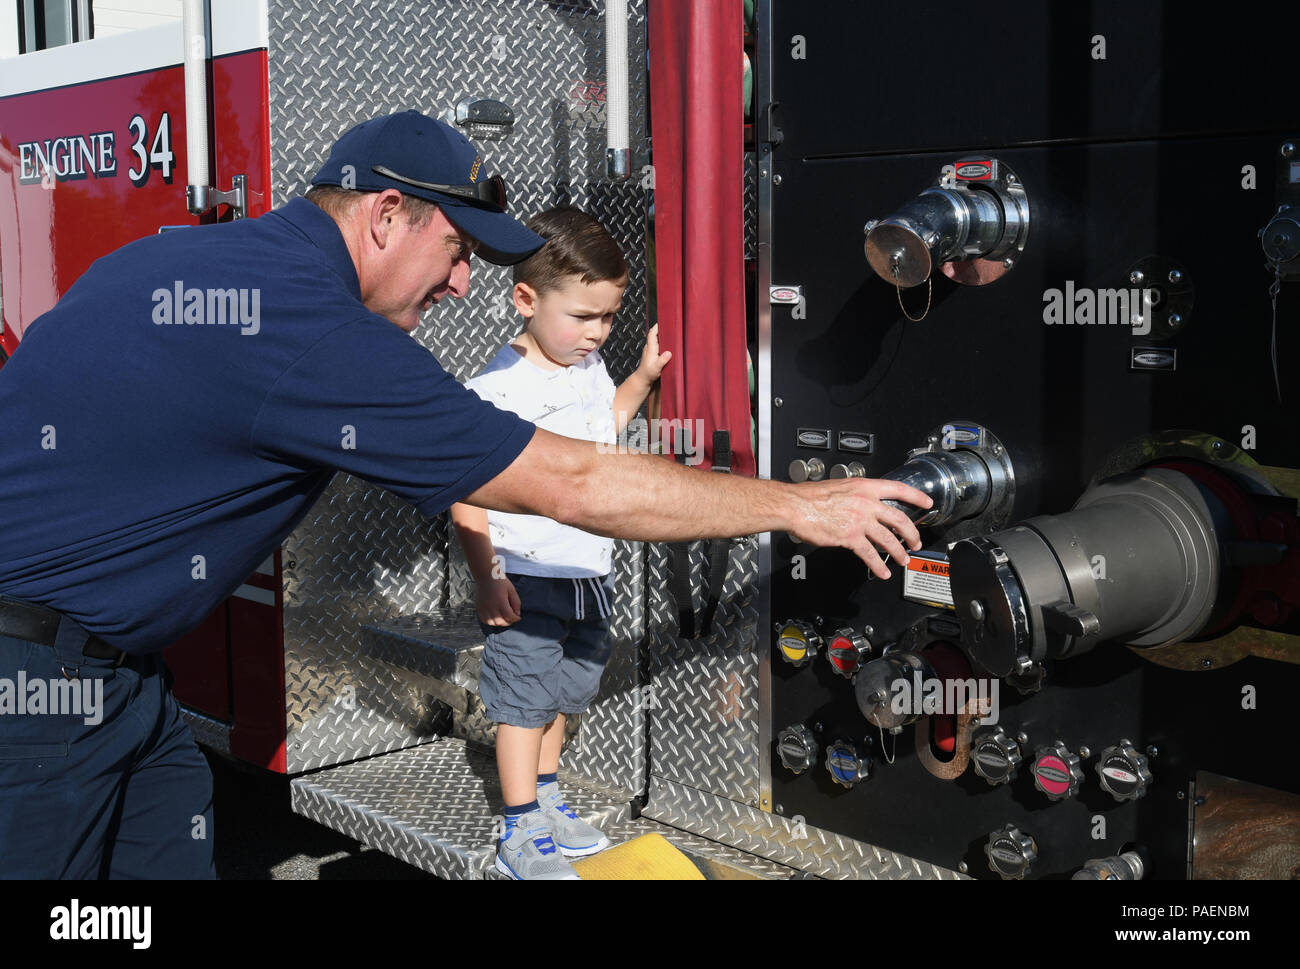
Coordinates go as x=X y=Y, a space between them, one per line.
x=925 y=580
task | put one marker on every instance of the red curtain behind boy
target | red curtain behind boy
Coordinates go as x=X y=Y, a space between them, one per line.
x=697 y=114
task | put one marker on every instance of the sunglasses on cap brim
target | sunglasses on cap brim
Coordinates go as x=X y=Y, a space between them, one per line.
x=488 y=194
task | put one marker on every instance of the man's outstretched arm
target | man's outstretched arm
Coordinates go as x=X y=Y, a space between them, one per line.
x=647 y=498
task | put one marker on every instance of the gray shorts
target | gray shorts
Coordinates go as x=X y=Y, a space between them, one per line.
x=551 y=660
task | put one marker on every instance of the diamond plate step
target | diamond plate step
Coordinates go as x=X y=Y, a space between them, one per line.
x=436 y=806
x=445 y=646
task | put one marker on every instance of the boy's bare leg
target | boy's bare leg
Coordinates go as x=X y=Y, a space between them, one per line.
x=518 y=749
x=577 y=838
x=552 y=740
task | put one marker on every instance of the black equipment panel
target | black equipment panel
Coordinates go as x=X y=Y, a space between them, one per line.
x=1141 y=155
x=866 y=79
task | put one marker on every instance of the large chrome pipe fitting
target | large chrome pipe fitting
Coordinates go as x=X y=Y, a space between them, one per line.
x=973 y=222
x=1137 y=560
x=968 y=475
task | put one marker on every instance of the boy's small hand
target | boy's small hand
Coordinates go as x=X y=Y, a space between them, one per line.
x=652 y=361
x=498 y=602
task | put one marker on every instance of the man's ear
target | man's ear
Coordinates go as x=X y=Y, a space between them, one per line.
x=525 y=300
x=384 y=212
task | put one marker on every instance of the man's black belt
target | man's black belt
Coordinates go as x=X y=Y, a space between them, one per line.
x=37 y=624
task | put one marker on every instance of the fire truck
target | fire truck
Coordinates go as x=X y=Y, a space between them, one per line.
x=1037 y=260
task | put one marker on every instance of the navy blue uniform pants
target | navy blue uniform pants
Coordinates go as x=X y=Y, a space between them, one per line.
x=100 y=776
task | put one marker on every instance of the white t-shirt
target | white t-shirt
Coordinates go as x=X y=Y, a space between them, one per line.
x=575 y=401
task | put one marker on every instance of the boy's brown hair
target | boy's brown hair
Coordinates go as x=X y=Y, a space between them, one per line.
x=576 y=245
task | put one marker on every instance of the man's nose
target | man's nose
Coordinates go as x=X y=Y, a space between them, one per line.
x=458 y=284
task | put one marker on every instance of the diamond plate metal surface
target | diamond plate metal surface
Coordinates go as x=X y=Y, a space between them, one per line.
x=437 y=806
x=431 y=643
x=704 y=710
x=361 y=556
x=783 y=840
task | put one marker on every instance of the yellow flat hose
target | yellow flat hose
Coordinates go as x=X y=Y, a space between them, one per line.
x=650 y=857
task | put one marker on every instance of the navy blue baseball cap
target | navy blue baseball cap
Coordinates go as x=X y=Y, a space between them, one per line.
x=424 y=157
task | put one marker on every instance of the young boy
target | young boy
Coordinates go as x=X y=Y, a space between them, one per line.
x=543 y=589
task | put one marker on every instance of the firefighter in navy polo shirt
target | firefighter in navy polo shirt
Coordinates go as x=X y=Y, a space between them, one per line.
x=151 y=457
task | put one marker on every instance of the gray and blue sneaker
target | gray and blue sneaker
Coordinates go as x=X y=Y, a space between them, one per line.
x=576 y=837
x=528 y=851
